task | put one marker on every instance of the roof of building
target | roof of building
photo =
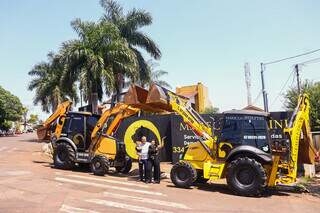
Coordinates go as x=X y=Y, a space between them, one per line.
x=252 y=107
x=247 y=112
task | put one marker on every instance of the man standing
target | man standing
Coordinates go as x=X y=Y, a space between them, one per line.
x=143 y=153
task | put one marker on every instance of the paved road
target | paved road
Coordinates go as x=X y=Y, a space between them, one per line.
x=28 y=183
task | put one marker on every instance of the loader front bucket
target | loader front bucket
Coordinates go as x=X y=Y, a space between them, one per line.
x=159 y=97
x=42 y=133
x=137 y=97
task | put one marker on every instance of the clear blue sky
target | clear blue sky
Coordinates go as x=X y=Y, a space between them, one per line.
x=201 y=41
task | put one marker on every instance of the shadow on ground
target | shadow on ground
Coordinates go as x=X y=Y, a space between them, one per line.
x=313 y=186
x=223 y=189
x=32 y=140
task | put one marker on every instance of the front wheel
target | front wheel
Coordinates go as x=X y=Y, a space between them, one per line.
x=246 y=177
x=125 y=169
x=183 y=174
x=64 y=156
x=99 y=166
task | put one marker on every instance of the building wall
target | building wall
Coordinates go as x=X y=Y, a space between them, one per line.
x=201 y=95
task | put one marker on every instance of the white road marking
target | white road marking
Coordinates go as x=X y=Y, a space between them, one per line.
x=109 y=181
x=146 y=200
x=125 y=206
x=70 y=209
x=3 y=148
x=108 y=186
x=15 y=173
x=12 y=150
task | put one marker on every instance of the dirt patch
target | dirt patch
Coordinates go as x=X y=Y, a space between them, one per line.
x=313 y=185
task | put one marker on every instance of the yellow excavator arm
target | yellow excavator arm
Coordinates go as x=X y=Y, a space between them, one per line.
x=162 y=98
x=120 y=111
x=300 y=145
x=43 y=132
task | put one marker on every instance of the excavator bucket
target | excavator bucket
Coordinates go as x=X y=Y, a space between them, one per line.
x=307 y=151
x=137 y=97
x=42 y=133
x=158 y=97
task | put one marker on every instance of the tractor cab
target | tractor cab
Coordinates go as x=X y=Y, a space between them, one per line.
x=78 y=127
x=243 y=127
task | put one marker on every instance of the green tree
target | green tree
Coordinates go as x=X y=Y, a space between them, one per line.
x=211 y=110
x=313 y=90
x=46 y=82
x=93 y=57
x=11 y=109
x=33 y=119
x=130 y=25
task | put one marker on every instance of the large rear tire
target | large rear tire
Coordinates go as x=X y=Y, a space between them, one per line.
x=127 y=166
x=246 y=177
x=99 y=166
x=183 y=174
x=64 y=156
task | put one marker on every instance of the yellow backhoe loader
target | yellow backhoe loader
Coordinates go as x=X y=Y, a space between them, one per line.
x=86 y=138
x=240 y=150
x=82 y=136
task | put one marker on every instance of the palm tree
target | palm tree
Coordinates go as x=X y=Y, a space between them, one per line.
x=93 y=58
x=46 y=83
x=155 y=76
x=129 y=26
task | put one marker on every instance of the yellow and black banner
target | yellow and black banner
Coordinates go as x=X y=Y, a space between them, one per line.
x=175 y=134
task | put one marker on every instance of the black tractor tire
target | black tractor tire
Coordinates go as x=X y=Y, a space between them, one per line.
x=183 y=174
x=127 y=166
x=64 y=156
x=99 y=166
x=246 y=177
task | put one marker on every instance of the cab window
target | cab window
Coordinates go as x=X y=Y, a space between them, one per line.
x=231 y=130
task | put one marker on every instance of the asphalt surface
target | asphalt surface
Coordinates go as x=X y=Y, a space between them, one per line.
x=28 y=183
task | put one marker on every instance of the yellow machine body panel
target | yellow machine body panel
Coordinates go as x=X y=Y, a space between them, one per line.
x=197 y=155
x=213 y=171
x=106 y=147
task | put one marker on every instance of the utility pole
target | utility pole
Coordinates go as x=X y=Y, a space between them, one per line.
x=264 y=92
x=248 y=82
x=296 y=67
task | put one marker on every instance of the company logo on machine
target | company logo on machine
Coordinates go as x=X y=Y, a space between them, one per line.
x=135 y=131
x=78 y=138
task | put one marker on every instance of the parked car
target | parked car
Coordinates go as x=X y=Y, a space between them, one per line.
x=10 y=132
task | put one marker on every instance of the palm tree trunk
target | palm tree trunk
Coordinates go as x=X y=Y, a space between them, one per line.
x=94 y=102
x=120 y=85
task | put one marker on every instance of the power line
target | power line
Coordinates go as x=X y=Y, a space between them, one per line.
x=311 y=61
x=283 y=87
x=288 y=58
x=256 y=99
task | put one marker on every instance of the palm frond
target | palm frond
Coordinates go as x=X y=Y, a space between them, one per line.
x=113 y=10
x=137 y=18
x=143 y=41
